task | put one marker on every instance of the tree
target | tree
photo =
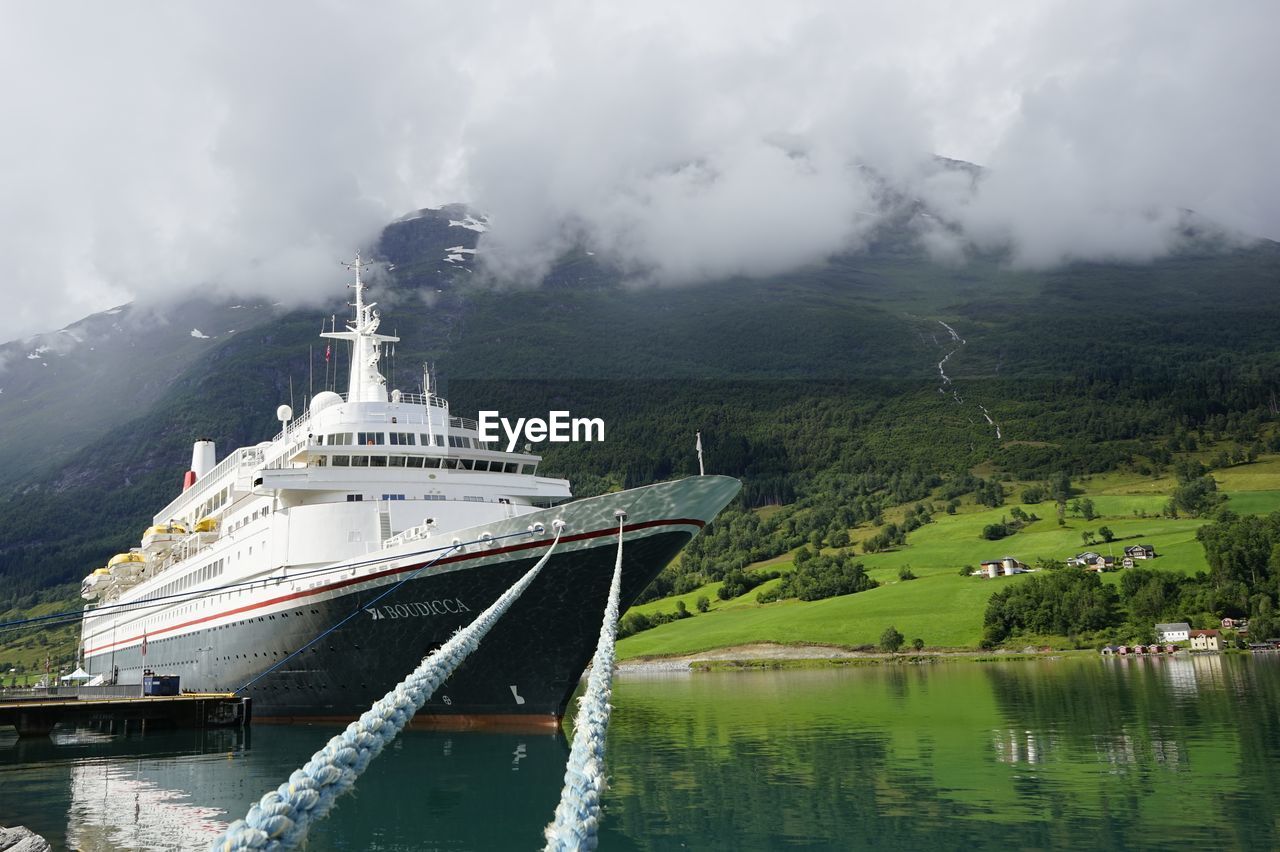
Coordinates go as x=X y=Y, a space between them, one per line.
x=891 y=640
x=1107 y=534
x=1087 y=537
x=703 y=603
x=905 y=573
x=1087 y=510
x=917 y=643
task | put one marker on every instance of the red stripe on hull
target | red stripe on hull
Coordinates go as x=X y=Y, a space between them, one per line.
x=497 y=551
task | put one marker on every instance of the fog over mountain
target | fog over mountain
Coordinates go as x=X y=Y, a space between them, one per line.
x=152 y=150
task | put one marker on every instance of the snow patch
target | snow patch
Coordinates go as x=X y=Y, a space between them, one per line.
x=195 y=332
x=470 y=223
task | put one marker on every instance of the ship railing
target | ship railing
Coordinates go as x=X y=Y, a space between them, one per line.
x=246 y=457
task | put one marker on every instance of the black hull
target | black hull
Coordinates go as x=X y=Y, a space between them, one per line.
x=523 y=673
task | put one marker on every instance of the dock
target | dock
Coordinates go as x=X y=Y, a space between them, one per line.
x=35 y=712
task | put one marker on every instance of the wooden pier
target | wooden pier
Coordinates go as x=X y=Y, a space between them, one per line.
x=36 y=715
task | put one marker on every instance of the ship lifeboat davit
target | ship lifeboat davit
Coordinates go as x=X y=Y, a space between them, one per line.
x=126 y=566
x=95 y=584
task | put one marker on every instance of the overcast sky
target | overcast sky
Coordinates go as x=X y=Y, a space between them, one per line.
x=147 y=149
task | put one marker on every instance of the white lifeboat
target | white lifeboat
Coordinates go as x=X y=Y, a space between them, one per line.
x=161 y=537
x=125 y=567
x=95 y=584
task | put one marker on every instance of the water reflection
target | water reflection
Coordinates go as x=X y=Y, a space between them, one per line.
x=1080 y=754
x=179 y=790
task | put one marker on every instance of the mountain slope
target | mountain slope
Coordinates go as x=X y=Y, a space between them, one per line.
x=878 y=368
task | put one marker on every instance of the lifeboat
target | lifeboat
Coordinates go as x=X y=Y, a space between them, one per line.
x=126 y=566
x=161 y=537
x=95 y=584
x=207 y=525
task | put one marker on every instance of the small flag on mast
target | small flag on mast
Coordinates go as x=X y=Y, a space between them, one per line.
x=328 y=347
x=701 y=470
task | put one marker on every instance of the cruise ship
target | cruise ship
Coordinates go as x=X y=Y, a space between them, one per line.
x=313 y=571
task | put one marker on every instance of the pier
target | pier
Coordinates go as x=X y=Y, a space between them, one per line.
x=35 y=712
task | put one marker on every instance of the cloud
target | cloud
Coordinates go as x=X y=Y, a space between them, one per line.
x=244 y=149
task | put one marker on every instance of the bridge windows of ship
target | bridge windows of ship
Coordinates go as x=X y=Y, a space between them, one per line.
x=404 y=439
x=371 y=438
x=431 y=440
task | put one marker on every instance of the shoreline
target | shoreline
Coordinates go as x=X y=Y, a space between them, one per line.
x=767 y=655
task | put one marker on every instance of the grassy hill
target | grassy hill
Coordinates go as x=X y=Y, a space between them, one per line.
x=940 y=606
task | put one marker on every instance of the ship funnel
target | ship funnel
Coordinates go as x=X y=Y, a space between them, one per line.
x=202 y=457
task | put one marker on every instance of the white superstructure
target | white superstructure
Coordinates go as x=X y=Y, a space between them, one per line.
x=353 y=475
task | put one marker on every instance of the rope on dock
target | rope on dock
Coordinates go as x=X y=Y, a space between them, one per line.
x=280 y=819
x=577 y=818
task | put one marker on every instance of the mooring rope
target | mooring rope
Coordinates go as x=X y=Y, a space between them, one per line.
x=280 y=819
x=577 y=818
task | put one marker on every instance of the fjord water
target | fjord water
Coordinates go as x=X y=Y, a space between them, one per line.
x=1047 y=754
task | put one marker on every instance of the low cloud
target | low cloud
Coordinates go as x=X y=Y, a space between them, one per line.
x=155 y=151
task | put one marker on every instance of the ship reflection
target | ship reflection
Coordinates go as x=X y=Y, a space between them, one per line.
x=179 y=790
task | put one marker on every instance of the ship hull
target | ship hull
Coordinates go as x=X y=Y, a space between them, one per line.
x=375 y=632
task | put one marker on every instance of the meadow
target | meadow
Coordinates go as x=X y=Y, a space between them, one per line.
x=940 y=606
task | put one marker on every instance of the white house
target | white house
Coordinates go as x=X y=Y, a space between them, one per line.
x=1179 y=632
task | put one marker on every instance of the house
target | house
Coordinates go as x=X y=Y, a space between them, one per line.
x=1006 y=566
x=1177 y=632
x=1127 y=562
x=1229 y=623
x=1110 y=650
x=1140 y=551
x=1091 y=561
x=1206 y=640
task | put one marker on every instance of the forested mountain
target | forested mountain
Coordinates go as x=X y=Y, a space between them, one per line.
x=864 y=381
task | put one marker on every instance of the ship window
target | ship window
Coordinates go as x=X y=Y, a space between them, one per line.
x=528 y=469
x=464 y=464
x=473 y=499
x=431 y=462
x=378 y=461
x=359 y=461
x=355 y=498
x=396 y=461
x=321 y=461
x=340 y=439
x=414 y=461
x=433 y=497
x=402 y=439
x=510 y=467
x=342 y=461
x=481 y=464
x=370 y=438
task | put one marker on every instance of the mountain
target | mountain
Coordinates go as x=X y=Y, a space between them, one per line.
x=878 y=368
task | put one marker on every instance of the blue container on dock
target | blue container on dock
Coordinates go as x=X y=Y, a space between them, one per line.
x=159 y=684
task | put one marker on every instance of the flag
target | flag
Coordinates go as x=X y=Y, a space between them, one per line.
x=327 y=347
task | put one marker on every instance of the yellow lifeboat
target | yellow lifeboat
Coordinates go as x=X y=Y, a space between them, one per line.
x=205 y=525
x=165 y=529
x=126 y=566
x=95 y=583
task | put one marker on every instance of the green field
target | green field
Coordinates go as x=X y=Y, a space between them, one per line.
x=941 y=607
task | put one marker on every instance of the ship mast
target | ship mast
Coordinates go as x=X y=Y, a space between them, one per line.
x=365 y=383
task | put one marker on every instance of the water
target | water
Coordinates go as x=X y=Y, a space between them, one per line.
x=1079 y=754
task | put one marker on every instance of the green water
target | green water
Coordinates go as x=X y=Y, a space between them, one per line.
x=1080 y=754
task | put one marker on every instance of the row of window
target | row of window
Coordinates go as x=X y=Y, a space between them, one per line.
x=395 y=439
x=214 y=503
x=480 y=465
x=200 y=575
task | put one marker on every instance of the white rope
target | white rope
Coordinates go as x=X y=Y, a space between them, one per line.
x=281 y=818
x=577 y=817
